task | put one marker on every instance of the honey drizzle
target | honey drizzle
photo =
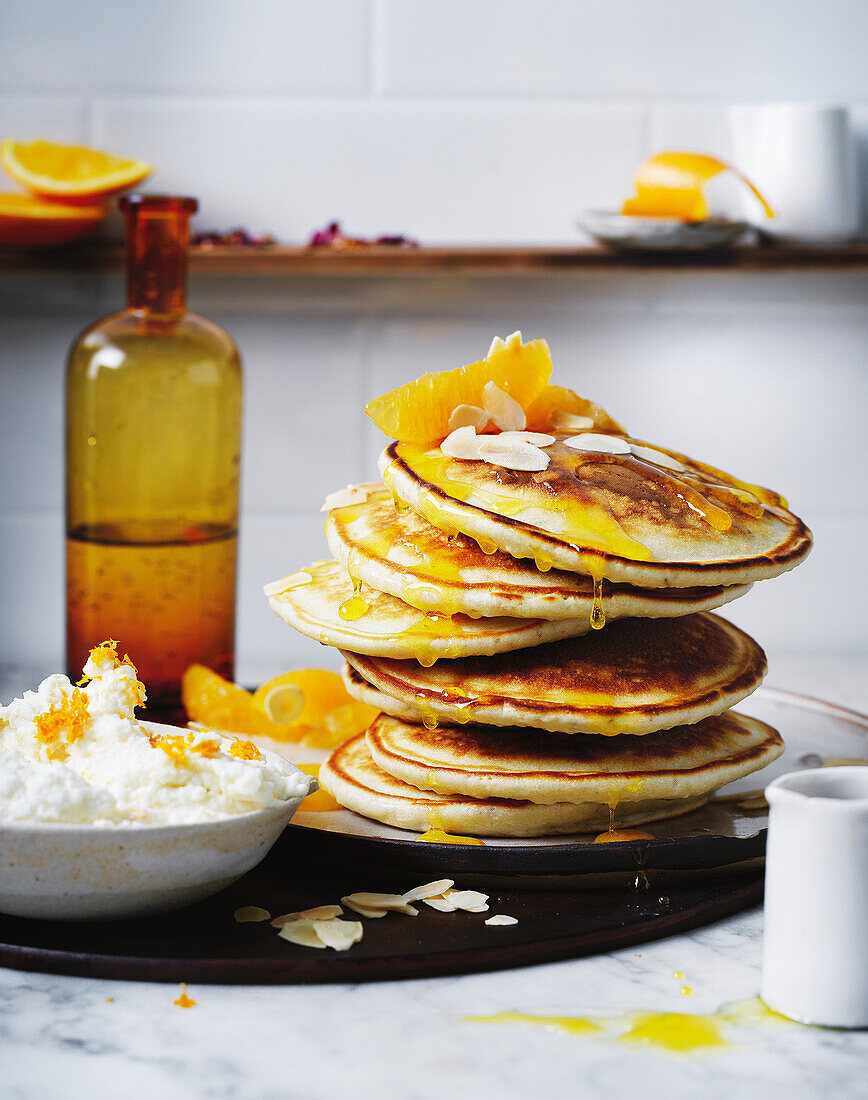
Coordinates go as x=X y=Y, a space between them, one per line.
x=598 y=615
x=436 y=834
x=356 y=606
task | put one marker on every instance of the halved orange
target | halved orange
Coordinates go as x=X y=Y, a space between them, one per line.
x=26 y=222
x=219 y=703
x=671 y=185
x=319 y=709
x=419 y=411
x=69 y=173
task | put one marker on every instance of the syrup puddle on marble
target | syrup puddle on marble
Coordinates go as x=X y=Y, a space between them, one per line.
x=674 y=1032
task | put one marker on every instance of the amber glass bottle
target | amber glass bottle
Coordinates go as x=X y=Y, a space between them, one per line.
x=153 y=449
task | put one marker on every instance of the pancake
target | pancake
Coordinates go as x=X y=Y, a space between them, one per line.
x=399 y=552
x=320 y=602
x=484 y=762
x=618 y=516
x=634 y=677
x=351 y=776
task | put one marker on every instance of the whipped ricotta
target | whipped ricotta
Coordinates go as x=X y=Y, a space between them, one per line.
x=78 y=754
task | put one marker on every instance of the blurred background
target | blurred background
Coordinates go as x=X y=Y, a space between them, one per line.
x=456 y=123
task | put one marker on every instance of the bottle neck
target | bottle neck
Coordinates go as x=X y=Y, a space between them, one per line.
x=157 y=261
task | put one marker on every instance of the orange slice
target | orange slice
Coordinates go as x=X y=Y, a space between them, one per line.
x=70 y=173
x=671 y=185
x=542 y=412
x=419 y=411
x=219 y=703
x=320 y=711
x=26 y=222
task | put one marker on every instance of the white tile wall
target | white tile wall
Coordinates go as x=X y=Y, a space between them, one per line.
x=480 y=121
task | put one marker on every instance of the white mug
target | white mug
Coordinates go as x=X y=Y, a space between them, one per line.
x=815 y=941
x=802 y=157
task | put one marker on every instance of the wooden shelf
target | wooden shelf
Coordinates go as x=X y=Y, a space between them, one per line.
x=284 y=260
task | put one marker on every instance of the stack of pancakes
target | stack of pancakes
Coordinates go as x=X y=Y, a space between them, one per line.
x=539 y=643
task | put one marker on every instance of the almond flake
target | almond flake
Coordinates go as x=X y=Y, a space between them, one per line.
x=462 y=443
x=391 y=903
x=467 y=416
x=563 y=421
x=466 y=899
x=249 y=914
x=338 y=934
x=440 y=904
x=429 y=890
x=353 y=494
x=539 y=439
x=504 y=410
x=659 y=458
x=319 y=912
x=512 y=454
x=285 y=584
x=364 y=910
x=501 y=919
x=477 y=908
x=303 y=933
x=604 y=444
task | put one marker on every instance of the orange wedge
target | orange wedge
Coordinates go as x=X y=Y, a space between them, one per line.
x=419 y=411
x=26 y=222
x=69 y=173
x=314 y=707
x=542 y=412
x=671 y=185
x=220 y=704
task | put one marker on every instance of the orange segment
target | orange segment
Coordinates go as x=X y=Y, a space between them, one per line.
x=26 y=222
x=216 y=702
x=552 y=399
x=328 y=715
x=671 y=185
x=72 y=173
x=419 y=411
x=320 y=801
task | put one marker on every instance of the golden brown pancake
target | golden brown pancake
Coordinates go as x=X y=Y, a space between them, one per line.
x=320 y=602
x=351 y=776
x=399 y=552
x=627 y=518
x=636 y=676
x=487 y=762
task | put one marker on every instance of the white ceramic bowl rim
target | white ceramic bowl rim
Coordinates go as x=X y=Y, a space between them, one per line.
x=844 y=788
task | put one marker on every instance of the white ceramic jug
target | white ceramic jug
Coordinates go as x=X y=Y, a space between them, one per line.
x=802 y=157
x=815 y=942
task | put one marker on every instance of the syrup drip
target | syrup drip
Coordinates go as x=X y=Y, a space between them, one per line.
x=598 y=615
x=429 y=716
x=356 y=606
x=436 y=834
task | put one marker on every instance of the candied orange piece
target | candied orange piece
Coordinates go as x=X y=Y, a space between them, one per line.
x=419 y=411
x=542 y=412
x=222 y=705
x=671 y=185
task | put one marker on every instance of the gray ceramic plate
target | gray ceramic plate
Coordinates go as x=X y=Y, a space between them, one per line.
x=630 y=233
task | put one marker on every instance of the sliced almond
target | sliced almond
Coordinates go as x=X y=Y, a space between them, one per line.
x=440 y=904
x=339 y=934
x=594 y=441
x=353 y=494
x=477 y=908
x=467 y=416
x=364 y=910
x=659 y=458
x=504 y=410
x=302 y=932
x=563 y=421
x=462 y=443
x=465 y=899
x=249 y=914
x=512 y=454
x=501 y=919
x=392 y=903
x=539 y=439
x=286 y=584
x=319 y=912
x=429 y=890
x=284 y=703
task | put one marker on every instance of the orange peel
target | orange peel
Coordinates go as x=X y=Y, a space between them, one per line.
x=672 y=185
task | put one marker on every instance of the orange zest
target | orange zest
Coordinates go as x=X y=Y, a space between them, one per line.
x=419 y=411
x=184 y=1001
x=244 y=750
x=73 y=174
x=28 y=222
x=672 y=185
x=69 y=717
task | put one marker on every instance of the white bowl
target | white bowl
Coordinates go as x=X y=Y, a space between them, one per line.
x=90 y=872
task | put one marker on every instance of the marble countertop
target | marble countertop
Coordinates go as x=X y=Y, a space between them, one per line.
x=73 y=1037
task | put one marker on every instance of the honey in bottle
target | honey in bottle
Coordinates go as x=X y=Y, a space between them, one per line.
x=153 y=450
